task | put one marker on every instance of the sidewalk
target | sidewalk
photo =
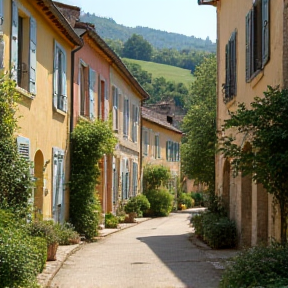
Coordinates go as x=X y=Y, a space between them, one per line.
x=63 y=252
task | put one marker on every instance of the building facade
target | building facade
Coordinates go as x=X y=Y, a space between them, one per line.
x=252 y=54
x=161 y=143
x=36 y=44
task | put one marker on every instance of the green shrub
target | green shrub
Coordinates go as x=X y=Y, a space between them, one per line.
x=217 y=231
x=155 y=176
x=66 y=234
x=258 y=267
x=160 y=202
x=198 y=198
x=111 y=221
x=185 y=199
x=197 y=222
x=138 y=204
x=44 y=229
x=22 y=257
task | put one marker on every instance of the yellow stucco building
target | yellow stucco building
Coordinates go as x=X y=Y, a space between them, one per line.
x=160 y=142
x=252 y=53
x=36 y=44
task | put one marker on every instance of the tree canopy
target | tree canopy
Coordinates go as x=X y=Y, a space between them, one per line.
x=265 y=127
x=136 y=47
x=199 y=126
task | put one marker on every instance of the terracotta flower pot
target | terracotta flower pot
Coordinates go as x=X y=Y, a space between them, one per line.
x=51 y=251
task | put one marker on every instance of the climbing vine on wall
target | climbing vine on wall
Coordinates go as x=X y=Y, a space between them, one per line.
x=90 y=142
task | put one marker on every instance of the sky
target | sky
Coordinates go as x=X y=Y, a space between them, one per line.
x=178 y=16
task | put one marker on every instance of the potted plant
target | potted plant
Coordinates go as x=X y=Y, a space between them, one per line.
x=46 y=230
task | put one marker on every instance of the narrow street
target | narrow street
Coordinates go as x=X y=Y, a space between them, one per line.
x=156 y=253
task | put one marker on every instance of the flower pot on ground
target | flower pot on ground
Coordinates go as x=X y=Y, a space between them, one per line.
x=51 y=251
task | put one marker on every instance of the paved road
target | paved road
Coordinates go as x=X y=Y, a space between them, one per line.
x=156 y=253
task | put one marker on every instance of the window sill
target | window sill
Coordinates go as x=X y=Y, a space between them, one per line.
x=256 y=77
x=25 y=93
x=231 y=102
x=84 y=118
x=61 y=112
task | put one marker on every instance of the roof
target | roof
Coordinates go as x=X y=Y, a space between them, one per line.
x=154 y=117
x=88 y=29
x=51 y=12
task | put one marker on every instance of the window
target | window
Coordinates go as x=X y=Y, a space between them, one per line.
x=92 y=82
x=23 y=49
x=157 y=147
x=135 y=178
x=172 y=151
x=231 y=79
x=257 y=38
x=58 y=184
x=23 y=145
x=145 y=141
x=83 y=89
x=125 y=179
x=115 y=108
x=101 y=98
x=135 y=122
x=60 y=83
x=126 y=118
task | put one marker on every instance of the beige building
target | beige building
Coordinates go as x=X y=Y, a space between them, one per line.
x=252 y=53
x=160 y=142
x=35 y=45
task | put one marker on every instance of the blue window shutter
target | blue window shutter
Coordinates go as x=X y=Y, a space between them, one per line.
x=23 y=145
x=58 y=184
x=64 y=81
x=135 y=178
x=248 y=45
x=14 y=42
x=1 y=16
x=265 y=32
x=56 y=77
x=92 y=80
x=33 y=60
x=123 y=178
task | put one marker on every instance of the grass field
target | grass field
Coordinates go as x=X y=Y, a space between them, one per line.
x=170 y=73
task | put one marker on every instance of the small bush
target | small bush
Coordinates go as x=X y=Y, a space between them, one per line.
x=185 y=199
x=111 y=221
x=66 y=234
x=160 y=202
x=138 y=204
x=217 y=231
x=198 y=198
x=22 y=257
x=258 y=267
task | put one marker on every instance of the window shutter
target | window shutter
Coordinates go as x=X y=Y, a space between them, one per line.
x=114 y=107
x=23 y=145
x=33 y=61
x=265 y=32
x=14 y=42
x=58 y=184
x=248 y=45
x=92 y=80
x=136 y=122
x=135 y=178
x=64 y=81
x=123 y=178
x=1 y=16
x=227 y=84
x=56 y=77
x=167 y=150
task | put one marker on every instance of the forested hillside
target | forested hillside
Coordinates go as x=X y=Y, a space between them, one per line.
x=107 y=28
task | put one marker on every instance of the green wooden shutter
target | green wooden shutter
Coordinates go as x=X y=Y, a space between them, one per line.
x=92 y=80
x=233 y=61
x=227 y=65
x=14 y=42
x=248 y=45
x=265 y=32
x=167 y=150
x=33 y=61
x=1 y=16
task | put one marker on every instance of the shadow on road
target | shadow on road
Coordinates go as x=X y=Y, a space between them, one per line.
x=185 y=260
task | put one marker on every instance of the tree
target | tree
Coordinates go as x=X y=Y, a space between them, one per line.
x=199 y=126
x=265 y=127
x=136 y=47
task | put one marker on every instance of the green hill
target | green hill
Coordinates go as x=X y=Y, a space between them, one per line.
x=170 y=73
x=107 y=28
